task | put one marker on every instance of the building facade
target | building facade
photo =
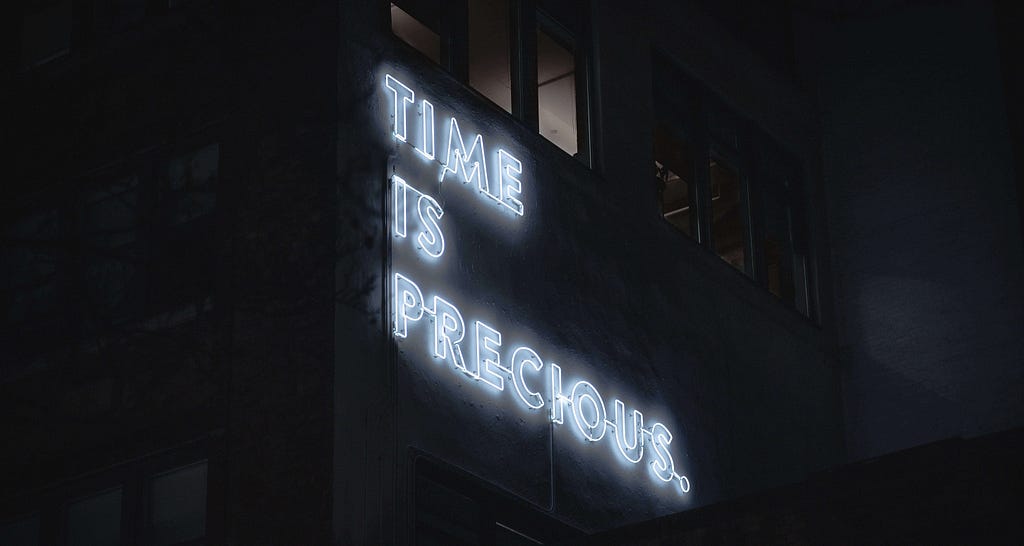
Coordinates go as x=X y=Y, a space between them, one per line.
x=482 y=272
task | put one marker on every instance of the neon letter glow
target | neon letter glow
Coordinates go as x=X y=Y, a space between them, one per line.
x=494 y=359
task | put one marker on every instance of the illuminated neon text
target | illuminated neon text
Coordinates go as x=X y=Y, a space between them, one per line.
x=476 y=349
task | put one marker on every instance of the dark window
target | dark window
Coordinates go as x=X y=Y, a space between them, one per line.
x=123 y=14
x=46 y=34
x=32 y=255
x=20 y=532
x=112 y=253
x=728 y=217
x=158 y=500
x=675 y=177
x=95 y=520
x=192 y=184
x=456 y=509
x=177 y=505
x=779 y=260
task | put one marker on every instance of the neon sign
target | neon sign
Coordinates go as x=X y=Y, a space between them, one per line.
x=476 y=349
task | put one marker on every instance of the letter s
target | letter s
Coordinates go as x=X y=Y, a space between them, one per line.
x=663 y=466
x=431 y=239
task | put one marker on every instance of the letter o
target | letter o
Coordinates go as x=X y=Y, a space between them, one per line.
x=584 y=391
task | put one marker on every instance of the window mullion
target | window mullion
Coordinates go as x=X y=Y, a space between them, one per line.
x=524 y=61
x=702 y=177
x=455 y=40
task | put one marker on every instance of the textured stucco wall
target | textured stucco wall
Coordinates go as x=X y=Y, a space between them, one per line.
x=924 y=226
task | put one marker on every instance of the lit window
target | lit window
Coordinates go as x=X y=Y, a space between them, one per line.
x=177 y=501
x=728 y=227
x=46 y=34
x=556 y=92
x=489 y=58
x=95 y=520
x=413 y=32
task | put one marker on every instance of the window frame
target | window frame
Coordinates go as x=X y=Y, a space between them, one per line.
x=51 y=503
x=759 y=161
x=525 y=18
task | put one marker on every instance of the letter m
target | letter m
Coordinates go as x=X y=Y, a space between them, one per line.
x=470 y=163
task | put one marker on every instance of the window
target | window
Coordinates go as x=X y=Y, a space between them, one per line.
x=729 y=187
x=32 y=254
x=456 y=509
x=675 y=175
x=525 y=62
x=728 y=218
x=46 y=34
x=20 y=532
x=556 y=89
x=177 y=505
x=95 y=520
x=192 y=181
x=490 y=68
x=426 y=39
x=111 y=252
x=158 y=500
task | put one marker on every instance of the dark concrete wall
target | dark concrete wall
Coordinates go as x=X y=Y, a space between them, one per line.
x=923 y=220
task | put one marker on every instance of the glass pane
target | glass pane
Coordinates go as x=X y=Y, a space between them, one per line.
x=29 y=266
x=445 y=516
x=47 y=34
x=728 y=225
x=193 y=181
x=489 y=68
x=96 y=520
x=673 y=163
x=778 y=252
x=22 y=532
x=415 y=33
x=178 y=505
x=507 y=536
x=110 y=226
x=556 y=92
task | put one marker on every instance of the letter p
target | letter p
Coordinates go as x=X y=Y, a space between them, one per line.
x=407 y=304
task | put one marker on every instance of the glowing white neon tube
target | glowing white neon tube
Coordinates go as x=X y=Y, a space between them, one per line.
x=583 y=392
x=488 y=341
x=522 y=357
x=401 y=96
x=426 y=147
x=431 y=239
x=407 y=296
x=509 y=186
x=398 y=189
x=663 y=465
x=470 y=163
x=632 y=451
x=449 y=330
x=557 y=400
x=524 y=369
